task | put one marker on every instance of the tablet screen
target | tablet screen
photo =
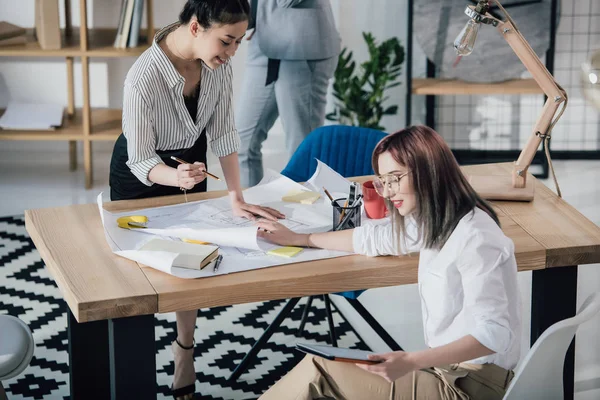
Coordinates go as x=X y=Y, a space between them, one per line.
x=332 y=353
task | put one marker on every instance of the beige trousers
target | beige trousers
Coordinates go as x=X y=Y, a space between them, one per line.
x=317 y=378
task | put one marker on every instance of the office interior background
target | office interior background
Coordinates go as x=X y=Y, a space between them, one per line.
x=36 y=174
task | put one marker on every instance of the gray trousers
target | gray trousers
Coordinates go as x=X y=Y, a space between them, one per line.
x=298 y=97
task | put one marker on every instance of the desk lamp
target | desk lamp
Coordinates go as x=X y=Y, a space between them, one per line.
x=515 y=187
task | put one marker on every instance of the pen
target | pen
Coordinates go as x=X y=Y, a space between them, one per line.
x=217 y=262
x=180 y=161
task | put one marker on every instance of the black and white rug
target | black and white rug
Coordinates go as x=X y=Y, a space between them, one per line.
x=224 y=334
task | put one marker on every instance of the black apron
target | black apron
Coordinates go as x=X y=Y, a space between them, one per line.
x=126 y=186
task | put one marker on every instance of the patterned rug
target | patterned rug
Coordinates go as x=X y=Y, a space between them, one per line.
x=223 y=335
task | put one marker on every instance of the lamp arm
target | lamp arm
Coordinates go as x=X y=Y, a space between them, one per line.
x=555 y=93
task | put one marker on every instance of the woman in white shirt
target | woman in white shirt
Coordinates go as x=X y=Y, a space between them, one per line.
x=177 y=100
x=467 y=283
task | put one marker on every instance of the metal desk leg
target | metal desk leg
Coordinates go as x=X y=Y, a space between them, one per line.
x=88 y=359
x=132 y=358
x=258 y=345
x=554 y=298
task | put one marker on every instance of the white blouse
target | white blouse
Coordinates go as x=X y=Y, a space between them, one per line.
x=469 y=287
x=155 y=116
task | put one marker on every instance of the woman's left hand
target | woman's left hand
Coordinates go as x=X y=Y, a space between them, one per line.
x=392 y=366
x=252 y=211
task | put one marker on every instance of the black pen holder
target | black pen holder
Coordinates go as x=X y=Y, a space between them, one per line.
x=345 y=217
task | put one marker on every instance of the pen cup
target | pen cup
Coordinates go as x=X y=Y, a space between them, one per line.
x=345 y=217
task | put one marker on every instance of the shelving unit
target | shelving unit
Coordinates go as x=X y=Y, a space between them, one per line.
x=84 y=124
x=445 y=87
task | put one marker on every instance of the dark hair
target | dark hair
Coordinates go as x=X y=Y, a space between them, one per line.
x=442 y=192
x=208 y=12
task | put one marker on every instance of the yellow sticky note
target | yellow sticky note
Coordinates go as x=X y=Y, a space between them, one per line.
x=301 y=196
x=285 y=251
x=194 y=241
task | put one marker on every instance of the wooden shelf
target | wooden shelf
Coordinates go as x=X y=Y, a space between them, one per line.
x=100 y=44
x=106 y=126
x=440 y=87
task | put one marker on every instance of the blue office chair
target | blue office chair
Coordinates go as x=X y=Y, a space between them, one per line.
x=347 y=150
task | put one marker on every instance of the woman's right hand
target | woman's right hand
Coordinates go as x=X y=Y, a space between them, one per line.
x=188 y=175
x=277 y=233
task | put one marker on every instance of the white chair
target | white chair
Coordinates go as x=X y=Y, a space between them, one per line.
x=16 y=348
x=540 y=376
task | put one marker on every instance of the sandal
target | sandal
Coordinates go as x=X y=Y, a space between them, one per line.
x=186 y=392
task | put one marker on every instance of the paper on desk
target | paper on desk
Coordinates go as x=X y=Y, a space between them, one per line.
x=213 y=221
x=326 y=177
x=31 y=116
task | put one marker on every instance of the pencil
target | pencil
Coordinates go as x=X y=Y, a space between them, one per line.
x=343 y=210
x=327 y=193
x=180 y=161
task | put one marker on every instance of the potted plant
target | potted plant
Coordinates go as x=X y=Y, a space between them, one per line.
x=360 y=93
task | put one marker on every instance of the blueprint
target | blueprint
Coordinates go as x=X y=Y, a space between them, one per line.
x=213 y=221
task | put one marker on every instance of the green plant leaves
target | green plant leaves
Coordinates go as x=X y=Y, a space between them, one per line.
x=360 y=93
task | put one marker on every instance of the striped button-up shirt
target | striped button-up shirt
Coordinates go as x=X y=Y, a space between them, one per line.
x=155 y=116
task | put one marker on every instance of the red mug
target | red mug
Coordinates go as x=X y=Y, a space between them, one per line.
x=374 y=204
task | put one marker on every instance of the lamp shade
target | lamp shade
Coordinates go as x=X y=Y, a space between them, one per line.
x=590 y=79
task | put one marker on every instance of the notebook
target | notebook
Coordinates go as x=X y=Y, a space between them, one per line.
x=191 y=256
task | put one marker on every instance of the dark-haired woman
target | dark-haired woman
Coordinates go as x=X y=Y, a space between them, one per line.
x=177 y=99
x=467 y=283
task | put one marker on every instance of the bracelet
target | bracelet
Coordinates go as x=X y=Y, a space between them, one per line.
x=308 y=240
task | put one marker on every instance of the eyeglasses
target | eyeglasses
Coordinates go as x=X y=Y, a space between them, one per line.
x=388 y=185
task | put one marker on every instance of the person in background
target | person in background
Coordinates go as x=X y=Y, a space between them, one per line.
x=177 y=100
x=467 y=281
x=293 y=54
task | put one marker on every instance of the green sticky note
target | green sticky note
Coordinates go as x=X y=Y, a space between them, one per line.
x=285 y=251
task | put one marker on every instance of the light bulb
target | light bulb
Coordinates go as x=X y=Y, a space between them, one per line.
x=465 y=41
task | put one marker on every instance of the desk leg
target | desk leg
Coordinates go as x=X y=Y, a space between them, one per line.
x=258 y=345
x=554 y=298
x=88 y=359
x=132 y=357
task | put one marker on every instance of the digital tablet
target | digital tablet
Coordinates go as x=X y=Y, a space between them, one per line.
x=336 y=353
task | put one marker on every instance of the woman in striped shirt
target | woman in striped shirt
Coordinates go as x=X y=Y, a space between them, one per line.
x=177 y=99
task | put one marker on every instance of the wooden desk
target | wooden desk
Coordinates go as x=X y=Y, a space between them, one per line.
x=112 y=300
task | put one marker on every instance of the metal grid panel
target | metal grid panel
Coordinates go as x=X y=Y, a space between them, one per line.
x=505 y=122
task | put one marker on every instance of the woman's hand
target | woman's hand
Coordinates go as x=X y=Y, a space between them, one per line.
x=252 y=211
x=392 y=366
x=279 y=234
x=188 y=175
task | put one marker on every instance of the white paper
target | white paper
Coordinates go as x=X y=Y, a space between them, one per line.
x=326 y=177
x=32 y=116
x=213 y=221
